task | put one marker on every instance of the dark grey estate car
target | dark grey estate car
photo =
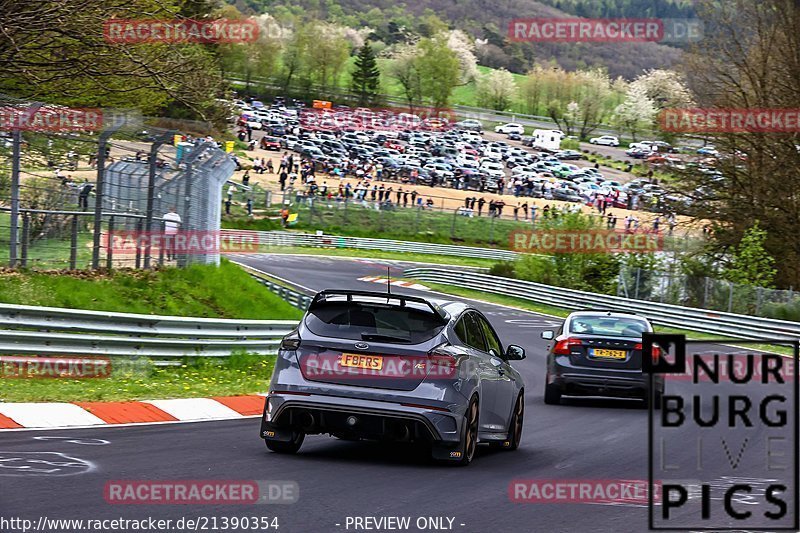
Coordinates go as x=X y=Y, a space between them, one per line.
x=372 y=365
x=598 y=353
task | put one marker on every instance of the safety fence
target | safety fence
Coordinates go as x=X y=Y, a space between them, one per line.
x=29 y=330
x=734 y=325
x=267 y=239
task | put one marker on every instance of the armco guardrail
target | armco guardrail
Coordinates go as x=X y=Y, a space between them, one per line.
x=288 y=238
x=291 y=296
x=733 y=325
x=29 y=330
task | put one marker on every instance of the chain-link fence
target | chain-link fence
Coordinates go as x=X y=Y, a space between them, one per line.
x=707 y=293
x=91 y=197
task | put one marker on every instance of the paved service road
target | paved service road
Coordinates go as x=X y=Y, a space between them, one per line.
x=582 y=439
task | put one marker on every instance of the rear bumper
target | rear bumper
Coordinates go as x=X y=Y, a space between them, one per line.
x=356 y=418
x=585 y=381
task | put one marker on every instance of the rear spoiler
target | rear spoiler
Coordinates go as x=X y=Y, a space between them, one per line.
x=322 y=296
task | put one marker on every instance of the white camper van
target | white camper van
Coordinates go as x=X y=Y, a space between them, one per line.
x=549 y=140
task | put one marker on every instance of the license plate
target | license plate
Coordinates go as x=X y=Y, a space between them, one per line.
x=609 y=354
x=367 y=362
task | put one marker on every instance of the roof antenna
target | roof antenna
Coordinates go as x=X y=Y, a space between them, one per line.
x=388 y=280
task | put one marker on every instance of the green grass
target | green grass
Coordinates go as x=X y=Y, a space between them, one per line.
x=201 y=291
x=141 y=380
x=380 y=254
x=403 y=223
x=535 y=307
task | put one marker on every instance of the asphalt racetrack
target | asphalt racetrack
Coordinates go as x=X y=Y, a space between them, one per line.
x=63 y=475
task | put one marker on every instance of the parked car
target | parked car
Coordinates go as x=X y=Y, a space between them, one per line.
x=469 y=125
x=568 y=154
x=511 y=127
x=605 y=140
x=270 y=143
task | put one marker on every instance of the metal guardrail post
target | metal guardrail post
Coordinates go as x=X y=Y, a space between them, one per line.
x=138 y=248
x=109 y=244
x=162 y=233
x=152 y=162
x=16 y=156
x=26 y=230
x=73 y=244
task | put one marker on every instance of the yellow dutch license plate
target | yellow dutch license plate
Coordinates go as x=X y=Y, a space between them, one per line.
x=609 y=354
x=367 y=362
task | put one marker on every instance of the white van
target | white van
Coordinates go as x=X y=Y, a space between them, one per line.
x=549 y=140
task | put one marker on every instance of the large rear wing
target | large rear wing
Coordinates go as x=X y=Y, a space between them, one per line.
x=402 y=300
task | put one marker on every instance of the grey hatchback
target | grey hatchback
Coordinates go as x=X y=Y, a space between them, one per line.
x=378 y=366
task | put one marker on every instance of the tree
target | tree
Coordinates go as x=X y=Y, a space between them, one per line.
x=636 y=112
x=405 y=70
x=439 y=70
x=750 y=263
x=57 y=52
x=252 y=59
x=366 y=76
x=594 y=88
x=461 y=44
x=327 y=53
x=496 y=89
x=750 y=59
x=296 y=56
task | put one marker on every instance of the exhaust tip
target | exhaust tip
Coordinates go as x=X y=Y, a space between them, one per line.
x=307 y=421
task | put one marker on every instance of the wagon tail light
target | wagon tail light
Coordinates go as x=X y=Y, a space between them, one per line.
x=564 y=346
x=290 y=341
x=656 y=351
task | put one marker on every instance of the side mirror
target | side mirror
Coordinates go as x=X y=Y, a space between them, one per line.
x=548 y=334
x=515 y=353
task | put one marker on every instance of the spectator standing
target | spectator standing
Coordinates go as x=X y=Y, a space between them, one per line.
x=172 y=221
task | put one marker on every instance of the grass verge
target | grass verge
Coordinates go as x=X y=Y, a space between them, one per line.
x=380 y=254
x=202 y=291
x=140 y=380
x=535 y=307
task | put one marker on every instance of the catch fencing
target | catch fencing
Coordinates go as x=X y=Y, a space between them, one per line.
x=731 y=324
x=267 y=239
x=63 y=193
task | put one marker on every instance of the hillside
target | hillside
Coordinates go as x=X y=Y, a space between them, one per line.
x=485 y=19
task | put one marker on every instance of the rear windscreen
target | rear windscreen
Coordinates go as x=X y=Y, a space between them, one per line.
x=375 y=322
x=609 y=325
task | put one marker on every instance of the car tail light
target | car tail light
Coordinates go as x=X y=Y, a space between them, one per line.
x=290 y=341
x=564 y=346
x=440 y=357
x=656 y=355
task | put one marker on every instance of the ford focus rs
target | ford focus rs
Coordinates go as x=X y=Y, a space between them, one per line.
x=598 y=353
x=378 y=366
